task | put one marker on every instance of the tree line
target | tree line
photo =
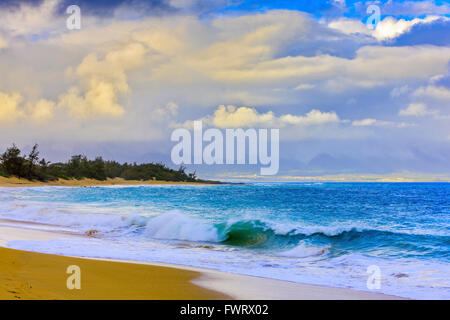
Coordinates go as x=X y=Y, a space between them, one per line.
x=30 y=166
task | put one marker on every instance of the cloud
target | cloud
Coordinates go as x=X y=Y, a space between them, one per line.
x=233 y=117
x=415 y=8
x=99 y=100
x=26 y=19
x=370 y=122
x=339 y=3
x=304 y=86
x=200 y=6
x=387 y=29
x=364 y=122
x=435 y=92
x=244 y=117
x=182 y=3
x=3 y=43
x=313 y=125
x=390 y=27
x=121 y=73
x=372 y=66
x=169 y=110
x=350 y=26
x=399 y=91
x=10 y=107
x=42 y=111
x=103 y=81
x=417 y=110
x=435 y=32
x=313 y=117
x=278 y=47
x=375 y=62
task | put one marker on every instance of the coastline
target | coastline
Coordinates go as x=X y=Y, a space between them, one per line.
x=16 y=182
x=32 y=275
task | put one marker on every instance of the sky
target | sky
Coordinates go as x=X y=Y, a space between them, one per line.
x=348 y=99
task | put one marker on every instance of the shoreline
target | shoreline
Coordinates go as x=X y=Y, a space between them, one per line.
x=17 y=182
x=34 y=275
x=30 y=275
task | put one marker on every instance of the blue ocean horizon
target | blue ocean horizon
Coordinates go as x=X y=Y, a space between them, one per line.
x=320 y=233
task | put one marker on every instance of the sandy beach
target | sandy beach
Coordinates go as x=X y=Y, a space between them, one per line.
x=17 y=182
x=31 y=275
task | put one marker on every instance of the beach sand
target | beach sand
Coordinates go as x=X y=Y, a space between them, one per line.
x=31 y=275
x=16 y=182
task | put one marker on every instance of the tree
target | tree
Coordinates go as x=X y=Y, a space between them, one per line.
x=43 y=163
x=13 y=163
x=98 y=169
x=73 y=167
x=79 y=167
x=33 y=158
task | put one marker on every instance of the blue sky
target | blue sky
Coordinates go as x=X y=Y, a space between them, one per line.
x=347 y=99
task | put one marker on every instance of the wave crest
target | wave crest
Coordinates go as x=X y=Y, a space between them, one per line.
x=177 y=226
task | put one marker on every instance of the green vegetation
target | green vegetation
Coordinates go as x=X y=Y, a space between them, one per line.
x=13 y=163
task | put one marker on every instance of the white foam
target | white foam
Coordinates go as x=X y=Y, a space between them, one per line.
x=81 y=218
x=303 y=251
x=177 y=226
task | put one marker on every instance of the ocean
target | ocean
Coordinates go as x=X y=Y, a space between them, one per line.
x=330 y=234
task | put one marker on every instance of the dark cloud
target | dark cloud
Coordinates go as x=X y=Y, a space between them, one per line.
x=101 y=7
x=16 y=3
x=107 y=7
x=199 y=7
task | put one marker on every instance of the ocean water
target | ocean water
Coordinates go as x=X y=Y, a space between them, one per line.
x=318 y=233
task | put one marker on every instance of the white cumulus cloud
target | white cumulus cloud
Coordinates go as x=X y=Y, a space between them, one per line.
x=416 y=110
